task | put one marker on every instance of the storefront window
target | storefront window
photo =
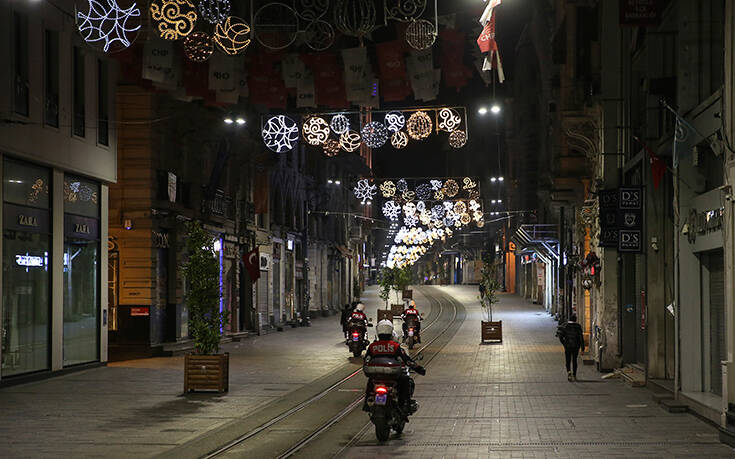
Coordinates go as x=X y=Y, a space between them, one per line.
x=81 y=271
x=26 y=265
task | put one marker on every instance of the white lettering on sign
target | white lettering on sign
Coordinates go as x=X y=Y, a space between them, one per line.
x=388 y=348
x=29 y=260
x=27 y=220
x=81 y=229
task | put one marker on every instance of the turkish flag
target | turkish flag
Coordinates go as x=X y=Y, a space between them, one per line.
x=252 y=263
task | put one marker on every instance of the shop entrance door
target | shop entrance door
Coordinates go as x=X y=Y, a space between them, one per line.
x=713 y=315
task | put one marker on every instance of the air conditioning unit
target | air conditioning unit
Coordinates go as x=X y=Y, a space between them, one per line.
x=265 y=262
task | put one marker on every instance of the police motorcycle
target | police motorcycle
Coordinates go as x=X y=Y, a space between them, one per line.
x=412 y=331
x=382 y=396
x=357 y=338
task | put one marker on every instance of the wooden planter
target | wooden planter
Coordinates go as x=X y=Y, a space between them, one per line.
x=407 y=294
x=206 y=372
x=492 y=331
x=396 y=310
x=385 y=314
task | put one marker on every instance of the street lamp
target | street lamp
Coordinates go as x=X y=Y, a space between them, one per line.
x=482 y=111
x=495 y=108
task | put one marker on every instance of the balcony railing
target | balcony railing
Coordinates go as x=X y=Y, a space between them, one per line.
x=220 y=205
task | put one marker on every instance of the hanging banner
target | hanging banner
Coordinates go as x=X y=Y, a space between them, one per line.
x=420 y=65
x=393 y=75
x=640 y=12
x=293 y=70
x=356 y=74
x=222 y=73
x=305 y=92
x=158 y=60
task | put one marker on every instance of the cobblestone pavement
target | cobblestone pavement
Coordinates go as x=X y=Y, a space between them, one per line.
x=513 y=400
x=136 y=408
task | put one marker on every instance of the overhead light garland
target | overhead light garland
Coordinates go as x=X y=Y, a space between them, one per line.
x=388 y=189
x=395 y=121
x=174 y=19
x=374 y=134
x=419 y=125
x=331 y=147
x=448 y=119
x=107 y=24
x=364 y=191
x=457 y=139
x=315 y=130
x=232 y=36
x=198 y=47
x=214 y=11
x=339 y=124
x=399 y=140
x=350 y=141
x=280 y=133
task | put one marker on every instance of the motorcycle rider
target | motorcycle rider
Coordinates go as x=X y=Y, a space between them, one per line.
x=359 y=319
x=412 y=314
x=387 y=348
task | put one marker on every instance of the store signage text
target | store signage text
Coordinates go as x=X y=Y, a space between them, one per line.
x=27 y=220
x=29 y=261
x=81 y=228
x=701 y=223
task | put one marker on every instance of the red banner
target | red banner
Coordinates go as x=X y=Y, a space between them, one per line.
x=394 y=83
x=252 y=263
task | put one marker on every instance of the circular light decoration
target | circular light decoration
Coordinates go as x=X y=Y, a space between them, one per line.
x=394 y=121
x=480 y=223
x=350 y=141
x=457 y=139
x=460 y=207
x=478 y=216
x=198 y=47
x=401 y=185
x=174 y=18
x=399 y=140
x=409 y=209
x=374 y=134
x=232 y=36
x=437 y=212
x=419 y=125
x=391 y=210
x=424 y=192
x=277 y=25
x=411 y=221
x=339 y=124
x=388 y=189
x=408 y=195
x=439 y=194
x=436 y=184
x=319 y=35
x=448 y=120
x=107 y=24
x=468 y=184
x=421 y=34
x=465 y=218
x=315 y=130
x=451 y=188
x=425 y=217
x=420 y=206
x=364 y=191
x=331 y=147
x=214 y=11
x=280 y=133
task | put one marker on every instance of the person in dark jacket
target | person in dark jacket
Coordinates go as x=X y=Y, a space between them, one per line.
x=570 y=335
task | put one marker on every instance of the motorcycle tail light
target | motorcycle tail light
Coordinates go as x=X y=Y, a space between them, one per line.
x=410 y=329
x=381 y=390
x=355 y=334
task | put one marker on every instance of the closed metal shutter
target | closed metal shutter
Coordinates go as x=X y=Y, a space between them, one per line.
x=717 y=318
x=263 y=298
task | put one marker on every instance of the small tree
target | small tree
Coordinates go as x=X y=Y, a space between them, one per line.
x=489 y=285
x=202 y=275
x=401 y=279
x=385 y=281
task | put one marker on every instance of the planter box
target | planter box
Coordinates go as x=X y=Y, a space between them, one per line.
x=206 y=372
x=396 y=310
x=408 y=294
x=385 y=314
x=492 y=331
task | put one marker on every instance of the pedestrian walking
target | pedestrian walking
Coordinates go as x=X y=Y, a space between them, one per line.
x=570 y=335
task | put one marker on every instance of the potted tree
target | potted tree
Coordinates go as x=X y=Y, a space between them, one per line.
x=205 y=368
x=489 y=285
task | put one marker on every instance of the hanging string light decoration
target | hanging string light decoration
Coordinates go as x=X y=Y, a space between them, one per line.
x=374 y=134
x=364 y=191
x=436 y=185
x=468 y=184
x=409 y=209
x=478 y=215
x=425 y=217
x=451 y=188
x=480 y=223
x=457 y=139
x=315 y=130
x=355 y=18
x=391 y=210
x=448 y=119
x=424 y=191
x=339 y=124
x=232 y=35
x=420 y=206
x=277 y=25
x=460 y=207
x=394 y=121
x=402 y=185
x=399 y=140
x=198 y=47
x=388 y=189
x=331 y=147
x=350 y=141
x=404 y=10
x=408 y=195
x=419 y=125
x=439 y=194
x=174 y=18
x=421 y=34
x=280 y=133
x=465 y=219
x=319 y=35
x=214 y=11
x=411 y=221
x=107 y=24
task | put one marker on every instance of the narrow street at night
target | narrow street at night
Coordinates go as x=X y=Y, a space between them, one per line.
x=367 y=229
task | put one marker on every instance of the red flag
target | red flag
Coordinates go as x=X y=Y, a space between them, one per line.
x=486 y=40
x=658 y=165
x=252 y=263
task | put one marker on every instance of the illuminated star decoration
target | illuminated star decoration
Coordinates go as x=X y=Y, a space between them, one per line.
x=364 y=191
x=280 y=133
x=339 y=124
x=391 y=210
x=395 y=121
x=107 y=23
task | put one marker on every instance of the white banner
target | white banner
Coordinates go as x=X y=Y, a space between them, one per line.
x=420 y=67
x=222 y=72
x=358 y=74
x=293 y=70
x=305 y=92
x=158 y=59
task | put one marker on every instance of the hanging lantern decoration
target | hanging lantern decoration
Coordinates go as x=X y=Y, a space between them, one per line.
x=457 y=139
x=421 y=34
x=419 y=125
x=214 y=11
x=331 y=147
x=448 y=119
x=451 y=188
x=174 y=19
x=391 y=210
x=339 y=124
x=232 y=36
x=364 y=191
x=388 y=189
x=374 y=134
x=198 y=47
x=394 y=121
x=399 y=140
x=350 y=141
x=108 y=24
x=280 y=133
x=315 y=130
x=355 y=18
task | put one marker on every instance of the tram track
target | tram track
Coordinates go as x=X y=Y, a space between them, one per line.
x=280 y=423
